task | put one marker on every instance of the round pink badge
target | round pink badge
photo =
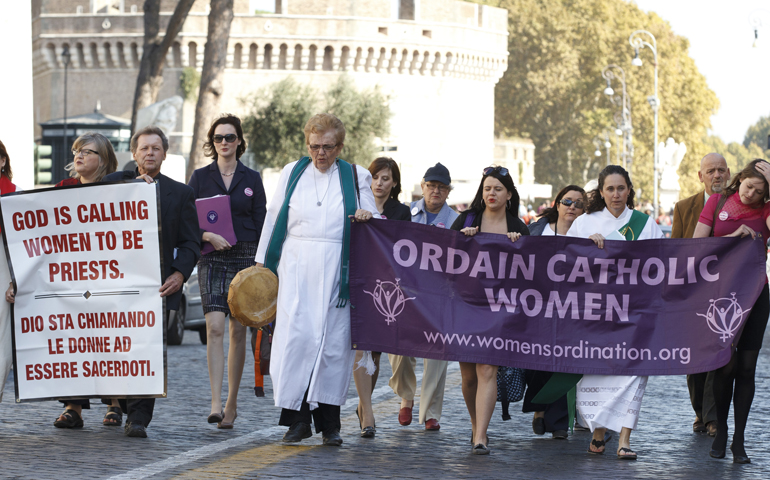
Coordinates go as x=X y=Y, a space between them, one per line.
x=723 y=215
x=249 y=192
x=441 y=225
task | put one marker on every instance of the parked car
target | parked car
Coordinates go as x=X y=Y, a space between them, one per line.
x=190 y=313
x=666 y=230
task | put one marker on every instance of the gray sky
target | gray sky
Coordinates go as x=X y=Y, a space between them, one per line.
x=721 y=40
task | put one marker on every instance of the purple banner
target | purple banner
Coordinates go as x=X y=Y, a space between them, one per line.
x=648 y=307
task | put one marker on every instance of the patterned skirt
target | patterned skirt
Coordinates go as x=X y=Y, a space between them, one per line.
x=217 y=269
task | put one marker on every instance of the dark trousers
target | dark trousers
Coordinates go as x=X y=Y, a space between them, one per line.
x=556 y=413
x=326 y=417
x=701 y=387
x=138 y=410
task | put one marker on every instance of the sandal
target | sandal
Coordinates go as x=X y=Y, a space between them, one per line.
x=598 y=444
x=627 y=454
x=113 y=417
x=68 y=419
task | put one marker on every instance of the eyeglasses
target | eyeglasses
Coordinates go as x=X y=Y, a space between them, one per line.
x=84 y=151
x=568 y=203
x=327 y=148
x=503 y=171
x=437 y=186
x=229 y=138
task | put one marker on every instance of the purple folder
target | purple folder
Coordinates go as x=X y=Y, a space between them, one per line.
x=214 y=216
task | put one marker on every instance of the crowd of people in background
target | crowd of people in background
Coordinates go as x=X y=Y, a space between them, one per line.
x=303 y=234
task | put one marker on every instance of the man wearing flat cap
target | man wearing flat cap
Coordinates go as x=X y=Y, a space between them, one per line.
x=432 y=209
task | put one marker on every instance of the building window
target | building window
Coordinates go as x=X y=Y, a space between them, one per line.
x=406 y=10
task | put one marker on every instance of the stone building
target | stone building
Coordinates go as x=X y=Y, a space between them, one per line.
x=438 y=60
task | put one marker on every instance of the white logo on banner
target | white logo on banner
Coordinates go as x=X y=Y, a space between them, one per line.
x=724 y=316
x=389 y=299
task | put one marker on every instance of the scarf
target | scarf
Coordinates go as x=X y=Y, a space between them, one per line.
x=349 y=193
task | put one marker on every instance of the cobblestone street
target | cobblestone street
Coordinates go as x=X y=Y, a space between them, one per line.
x=182 y=445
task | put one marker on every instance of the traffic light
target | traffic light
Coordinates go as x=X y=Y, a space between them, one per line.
x=43 y=164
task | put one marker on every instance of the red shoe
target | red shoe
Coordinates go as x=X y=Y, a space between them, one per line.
x=405 y=415
x=432 y=424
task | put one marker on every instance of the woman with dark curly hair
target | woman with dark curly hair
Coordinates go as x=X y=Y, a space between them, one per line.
x=6 y=348
x=610 y=214
x=569 y=204
x=741 y=210
x=494 y=210
x=226 y=175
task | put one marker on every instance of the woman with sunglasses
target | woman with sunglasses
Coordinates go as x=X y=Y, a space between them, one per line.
x=569 y=204
x=493 y=210
x=612 y=401
x=226 y=175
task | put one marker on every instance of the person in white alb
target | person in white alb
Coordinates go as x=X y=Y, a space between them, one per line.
x=612 y=401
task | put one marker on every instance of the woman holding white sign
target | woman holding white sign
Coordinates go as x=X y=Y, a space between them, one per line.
x=6 y=346
x=612 y=401
x=94 y=158
x=493 y=210
x=226 y=176
x=740 y=211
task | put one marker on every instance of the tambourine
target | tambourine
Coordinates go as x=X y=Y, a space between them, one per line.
x=253 y=296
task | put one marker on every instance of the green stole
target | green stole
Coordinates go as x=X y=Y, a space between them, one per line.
x=348 y=184
x=561 y=384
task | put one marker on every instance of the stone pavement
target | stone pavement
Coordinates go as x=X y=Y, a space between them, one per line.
x=182 y=445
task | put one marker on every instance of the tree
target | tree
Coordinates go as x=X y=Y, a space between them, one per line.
x=757 y=133
x=154 y=51
x=274 y=126
x=212 y=76
x=553 y=89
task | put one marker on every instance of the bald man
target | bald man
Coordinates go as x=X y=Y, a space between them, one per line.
x=714 y=175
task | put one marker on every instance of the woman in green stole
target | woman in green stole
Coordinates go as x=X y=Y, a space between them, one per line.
x=305 y=241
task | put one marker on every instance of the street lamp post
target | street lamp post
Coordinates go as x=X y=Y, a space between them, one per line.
x=637 y=42
x=622 y=118
x=755 y=20
x=66 y=60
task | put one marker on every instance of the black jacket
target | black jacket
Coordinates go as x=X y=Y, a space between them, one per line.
x=395 y=210
x=514 y=223
x=179 y=228
x=247 y=197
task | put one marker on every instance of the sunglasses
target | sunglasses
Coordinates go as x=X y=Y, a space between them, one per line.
x=503 y=171
x=568 y=203
x=327 y=148
x=229 y=138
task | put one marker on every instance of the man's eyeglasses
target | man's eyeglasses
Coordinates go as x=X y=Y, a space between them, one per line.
x=229 y=138
x=568 y=203
x=84 y=151
x=437 y=186
x=503 y=171
x=327 y=148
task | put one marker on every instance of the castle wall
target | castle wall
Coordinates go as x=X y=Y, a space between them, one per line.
x=439 y=70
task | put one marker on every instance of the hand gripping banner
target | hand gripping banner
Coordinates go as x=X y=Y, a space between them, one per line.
x=88 y=318
x=560 y=304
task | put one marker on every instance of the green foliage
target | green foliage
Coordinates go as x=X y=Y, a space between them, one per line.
x=736 y=154
x=757 y=133
x=189 y=83
x=277 y=116
x=553 y=89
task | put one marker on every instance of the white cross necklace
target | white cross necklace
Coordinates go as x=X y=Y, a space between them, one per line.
x=320 y=202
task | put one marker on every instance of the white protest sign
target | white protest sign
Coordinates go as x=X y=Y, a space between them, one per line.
x=88 y=317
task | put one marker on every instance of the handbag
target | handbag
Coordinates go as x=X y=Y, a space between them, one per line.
x=264 y=348
x=510 y=384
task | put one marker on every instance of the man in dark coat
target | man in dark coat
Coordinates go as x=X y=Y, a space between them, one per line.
x=180 y=249
x=715 y=176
